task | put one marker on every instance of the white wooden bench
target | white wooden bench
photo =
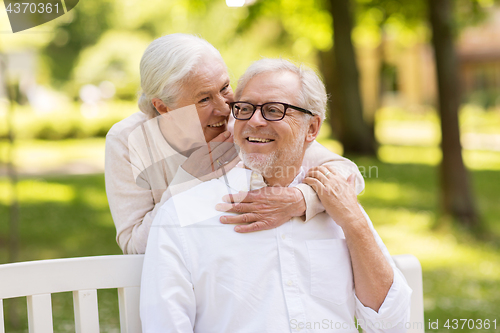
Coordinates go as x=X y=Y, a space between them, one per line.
x=37 y=280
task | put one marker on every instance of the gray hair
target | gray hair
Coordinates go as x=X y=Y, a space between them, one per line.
x=166 y=64
x=312 y=95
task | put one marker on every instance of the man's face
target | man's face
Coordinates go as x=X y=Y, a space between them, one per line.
x=209 y=90
x=272 y=144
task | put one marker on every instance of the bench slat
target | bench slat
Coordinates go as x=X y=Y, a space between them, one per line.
x=86 y=312
x=2 y=323
x=128 y=302
x=40 y=313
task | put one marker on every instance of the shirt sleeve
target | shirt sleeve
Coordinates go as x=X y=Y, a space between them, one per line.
x=394 y=312
x=167 y=301
x=316 y=155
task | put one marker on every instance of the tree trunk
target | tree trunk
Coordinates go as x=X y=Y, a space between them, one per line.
x=456 y=197
x=354 y=134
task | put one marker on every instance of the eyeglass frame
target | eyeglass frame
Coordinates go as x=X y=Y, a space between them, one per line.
x=231 y=105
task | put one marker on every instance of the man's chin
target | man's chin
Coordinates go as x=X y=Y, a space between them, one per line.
x=256 y=162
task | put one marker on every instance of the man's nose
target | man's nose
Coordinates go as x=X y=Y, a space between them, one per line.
x=257 y=120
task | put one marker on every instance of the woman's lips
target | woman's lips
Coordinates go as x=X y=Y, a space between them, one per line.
x=219 y=124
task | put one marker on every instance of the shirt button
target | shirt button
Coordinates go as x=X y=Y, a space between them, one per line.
x=283 y=236
x=255 y=176
x=290 y=283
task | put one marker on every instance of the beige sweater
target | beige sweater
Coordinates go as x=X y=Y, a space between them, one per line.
x=140 y=165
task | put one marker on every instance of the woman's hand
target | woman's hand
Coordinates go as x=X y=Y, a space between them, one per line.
x=263 y=209
x=337 y=194
x=205 y=161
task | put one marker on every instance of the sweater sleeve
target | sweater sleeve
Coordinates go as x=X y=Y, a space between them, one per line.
x=132 y=206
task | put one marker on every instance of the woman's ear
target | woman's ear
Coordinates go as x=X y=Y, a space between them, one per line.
x=159 y=105
x=313 y=130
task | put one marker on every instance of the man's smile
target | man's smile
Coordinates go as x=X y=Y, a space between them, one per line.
x=258 y=140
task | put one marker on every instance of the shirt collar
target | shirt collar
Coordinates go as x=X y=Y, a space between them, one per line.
x=247 y=180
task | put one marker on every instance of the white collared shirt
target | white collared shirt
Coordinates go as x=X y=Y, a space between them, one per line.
x=204 y=277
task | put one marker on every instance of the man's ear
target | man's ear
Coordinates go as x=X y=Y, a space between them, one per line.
x=313 y=130
x=159 y=105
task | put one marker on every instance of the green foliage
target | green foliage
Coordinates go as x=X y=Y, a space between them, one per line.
x=89 y=20
x=67 y=123
x=114 y=58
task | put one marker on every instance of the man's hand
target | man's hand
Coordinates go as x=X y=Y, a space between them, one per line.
x=263 y=209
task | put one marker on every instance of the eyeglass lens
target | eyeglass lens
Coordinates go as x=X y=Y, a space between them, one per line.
x=270 y=111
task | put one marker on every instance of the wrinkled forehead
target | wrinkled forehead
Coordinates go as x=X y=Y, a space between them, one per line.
x=276 y=86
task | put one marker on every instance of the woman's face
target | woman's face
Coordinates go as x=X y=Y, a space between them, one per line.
x=209 y=90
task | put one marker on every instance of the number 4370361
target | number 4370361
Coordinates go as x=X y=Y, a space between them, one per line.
x=461 y=324
x=31 y=7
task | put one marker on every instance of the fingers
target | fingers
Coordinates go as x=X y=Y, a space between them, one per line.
x=227 y=156
x=225 y=137
x=319 y=175
x=351 y=180
x=243 y=196
x=235 y=208
x=316 y=185
x=252 y=227
x=223 y=153
x=324 y=169
x=243 y=218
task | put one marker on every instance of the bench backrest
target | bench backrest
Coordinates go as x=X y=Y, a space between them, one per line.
x=37 y=280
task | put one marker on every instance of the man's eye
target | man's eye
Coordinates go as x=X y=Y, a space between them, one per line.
x=204 y=100
x=274 y=110
x=225 y=88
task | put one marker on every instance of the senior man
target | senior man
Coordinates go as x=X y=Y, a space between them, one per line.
x=201 y=276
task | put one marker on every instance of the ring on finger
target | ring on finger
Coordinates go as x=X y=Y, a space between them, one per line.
x=326 y=174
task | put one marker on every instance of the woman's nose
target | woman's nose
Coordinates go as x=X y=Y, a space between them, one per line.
x=222 y=106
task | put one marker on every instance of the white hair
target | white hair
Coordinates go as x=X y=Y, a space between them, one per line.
x=166 y=64
x=312 y=94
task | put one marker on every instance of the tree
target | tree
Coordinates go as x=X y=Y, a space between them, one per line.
x=346 y=117
x=456 y=195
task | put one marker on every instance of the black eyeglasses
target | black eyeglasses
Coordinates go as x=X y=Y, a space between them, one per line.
x=272 y=111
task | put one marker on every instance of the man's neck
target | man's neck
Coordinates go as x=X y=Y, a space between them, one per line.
x=281 y=175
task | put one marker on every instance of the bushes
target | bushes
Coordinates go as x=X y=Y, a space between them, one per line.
x=68 y=123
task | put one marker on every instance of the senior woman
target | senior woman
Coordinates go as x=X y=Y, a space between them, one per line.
x=184 y=106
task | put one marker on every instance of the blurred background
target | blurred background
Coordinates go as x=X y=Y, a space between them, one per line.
x=414 y=101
